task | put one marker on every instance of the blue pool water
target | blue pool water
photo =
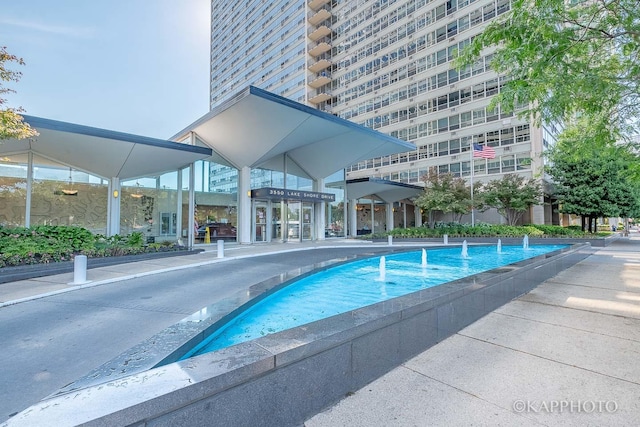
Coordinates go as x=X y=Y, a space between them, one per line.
x=357 y=284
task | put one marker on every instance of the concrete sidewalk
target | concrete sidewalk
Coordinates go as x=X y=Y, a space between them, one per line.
x=564 y=354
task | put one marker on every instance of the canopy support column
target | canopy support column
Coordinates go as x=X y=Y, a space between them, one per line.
x=319 y=212
x=113 y=207
x=244 y=205
x=389 y=212
x=27 y=213
x=418 y=215
x=352 y=207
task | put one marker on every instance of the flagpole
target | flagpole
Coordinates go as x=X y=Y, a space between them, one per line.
x=473 y=217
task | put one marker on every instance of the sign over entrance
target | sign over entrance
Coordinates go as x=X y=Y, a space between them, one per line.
x=297 y=195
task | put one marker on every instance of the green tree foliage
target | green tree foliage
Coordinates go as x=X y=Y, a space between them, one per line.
x=445 y=193
x=566 y=57
x=511 y=196
x=593 y=177
x=11 y=122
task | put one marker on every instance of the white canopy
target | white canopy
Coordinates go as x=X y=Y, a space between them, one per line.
x=258 y=129
x=385 y=190
x=104 y=153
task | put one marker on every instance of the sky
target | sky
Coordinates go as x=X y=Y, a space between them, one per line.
x=134 y=66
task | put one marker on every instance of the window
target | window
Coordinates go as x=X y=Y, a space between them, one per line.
x=454 y=122
x=442 y=102
x=493 y=138
x=454 y=98
x=168 y=222
x=443 y=125
x=476 y=17
x=465 y=95
x=452 y=29
x=489 y=11
x=465 y=119
x=452 y=6
x=492 y=87
x=522 y=133
x=443 y=148
x=453 y=76
x=492 y=114
x=454 y=144
x=478 y=116
x=493 y=166
x=508 y=163
x=506 y=136
x=442 y=79
x=463 y=23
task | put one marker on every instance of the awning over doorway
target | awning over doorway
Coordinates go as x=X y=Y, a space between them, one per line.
x=101 y=152
x=385 y=190
x=257 y=129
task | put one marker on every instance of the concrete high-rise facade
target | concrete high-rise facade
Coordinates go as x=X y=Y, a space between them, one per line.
x=386 y=65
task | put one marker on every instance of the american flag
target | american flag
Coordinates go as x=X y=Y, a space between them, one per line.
x=483 y=151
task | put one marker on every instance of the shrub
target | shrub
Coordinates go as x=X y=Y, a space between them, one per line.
x=44 y=244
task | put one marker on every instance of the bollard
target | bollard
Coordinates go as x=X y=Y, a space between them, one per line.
x=79 y=270
x=446 y=239
x=390 y=240
x=220 y=248
x=207 y=236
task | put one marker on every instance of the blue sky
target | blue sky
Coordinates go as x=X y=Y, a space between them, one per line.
x=136 y=66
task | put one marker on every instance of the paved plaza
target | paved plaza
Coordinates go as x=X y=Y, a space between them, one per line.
x=564 y=354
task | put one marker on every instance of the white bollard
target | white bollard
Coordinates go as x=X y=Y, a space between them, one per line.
x=79 y=270
x=220 y=248
x=390 y=240
x=446 y=239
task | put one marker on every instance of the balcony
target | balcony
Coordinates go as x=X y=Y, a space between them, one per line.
x=319 y=33
x=316 y=4
x=319 y=16
x=317 y=98
x=319 y=48
x=320 y=80
x=322 y=64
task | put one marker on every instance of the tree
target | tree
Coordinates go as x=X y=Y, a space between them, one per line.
x=445 y=193
x=11 y=122
x=511 y=196
x=564 y=58
x=593 y=177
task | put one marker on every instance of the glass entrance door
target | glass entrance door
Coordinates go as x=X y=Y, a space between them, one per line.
x=293 y=221
x=260 y=222
x=307 y=221
x=276 y=221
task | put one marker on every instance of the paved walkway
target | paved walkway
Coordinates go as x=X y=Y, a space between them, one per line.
x=565 y=354
x=26 y=290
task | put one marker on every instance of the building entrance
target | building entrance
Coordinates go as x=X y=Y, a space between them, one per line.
x=285 y=215
x=260 y=223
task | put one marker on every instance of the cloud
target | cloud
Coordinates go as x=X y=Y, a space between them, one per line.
x=49 y=29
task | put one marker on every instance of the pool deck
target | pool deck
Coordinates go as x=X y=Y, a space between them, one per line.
x=564 y=354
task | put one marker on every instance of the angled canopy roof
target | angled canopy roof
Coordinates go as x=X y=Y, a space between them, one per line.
x=385 y=190
x=257 y=129
x=103 y=152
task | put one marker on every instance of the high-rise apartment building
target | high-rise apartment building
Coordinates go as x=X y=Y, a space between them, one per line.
x=386 y=65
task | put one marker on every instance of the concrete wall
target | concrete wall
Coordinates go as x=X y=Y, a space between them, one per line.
x=284 y=378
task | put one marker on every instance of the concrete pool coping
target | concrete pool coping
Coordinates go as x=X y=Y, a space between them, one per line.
x=306 y=368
